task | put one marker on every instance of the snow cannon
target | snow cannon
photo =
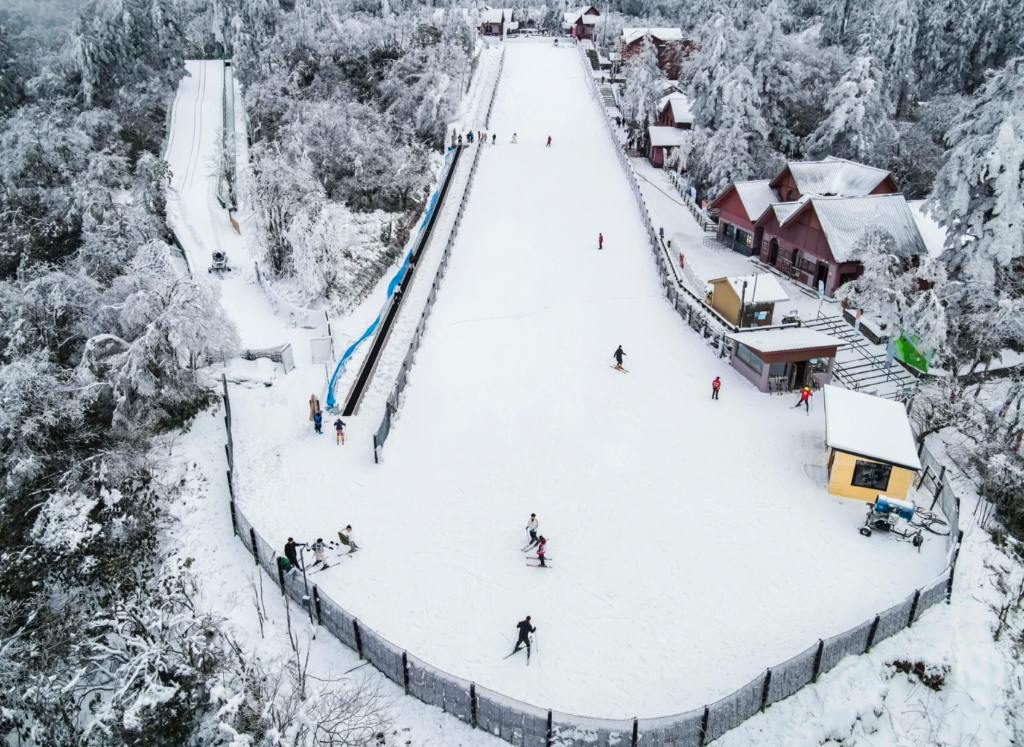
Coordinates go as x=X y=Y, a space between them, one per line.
x=220 y=262
x=894 y=516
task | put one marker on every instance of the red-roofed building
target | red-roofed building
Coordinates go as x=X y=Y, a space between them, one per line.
x=807 y=221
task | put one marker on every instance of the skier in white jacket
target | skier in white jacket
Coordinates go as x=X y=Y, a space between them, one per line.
x=531 y=529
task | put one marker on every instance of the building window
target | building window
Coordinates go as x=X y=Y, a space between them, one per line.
x=730 y=230
x=742 y=237
x=746 y=355
x=871 y=475
x=808 y=264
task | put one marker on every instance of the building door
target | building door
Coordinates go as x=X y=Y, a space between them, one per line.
x=797 y=375
x=773 y=252
x=822 y=275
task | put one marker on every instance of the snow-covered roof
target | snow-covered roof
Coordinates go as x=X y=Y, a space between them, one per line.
x=571 y=16
x=494 y=15
x=845 y=219
x=871 y=427
x=756 y=197
x=762 y=287
x=788 y=338
x=666 y=137
x=590 y=20
x=512 y=25
x=661 y=33
x=835 y=176
x=680 y=107
x=933 y=235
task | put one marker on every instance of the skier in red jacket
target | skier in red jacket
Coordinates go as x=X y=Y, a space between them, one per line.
x=805 y=399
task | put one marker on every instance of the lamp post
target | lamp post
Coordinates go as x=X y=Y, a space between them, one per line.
x=305 y=585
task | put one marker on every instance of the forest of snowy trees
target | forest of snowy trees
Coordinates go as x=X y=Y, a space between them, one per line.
x=103 y=343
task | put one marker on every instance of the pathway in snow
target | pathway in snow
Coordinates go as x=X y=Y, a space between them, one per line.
x=693 y=542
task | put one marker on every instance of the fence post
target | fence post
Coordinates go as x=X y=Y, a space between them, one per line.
x=316 y=604
x=359 y=638
x=764 y=690
x=472 y=702
x=952 y=568
x=704 y=727
x=913 y=608
x=280 y=576
x=405 y=671
x=871 y=635
x=234 y=520
x=375 y=449
x=550 y=731
x=255 y=549
x=817 y=659
x=636 y=730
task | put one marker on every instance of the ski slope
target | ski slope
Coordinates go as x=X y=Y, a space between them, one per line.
x=195 y=214
x=692 y=542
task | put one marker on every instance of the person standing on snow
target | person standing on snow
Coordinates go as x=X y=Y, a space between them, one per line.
x=460 y=141
x=320 y=551
x=339 y=431
x=600 y=241
x=542 y=547
x=549 y=142
x=525 y=628
x=514 y=138
x=453 y=137
x=318 y=421
x=494 y=139
x=805 y=399
x=531 y=529
x=715 y=386
x=618 y=355
x=291 y=551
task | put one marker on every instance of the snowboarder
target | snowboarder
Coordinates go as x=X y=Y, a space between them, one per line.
x=525 y=628
x=347 y=539
x=339 y=431
x=618 y=355
x=320 y=552
x=514 y=138
x=805 y=399
x=715 y=386
x=531 y=530
x=318 y=422
x=542 y=547
x=549 y=142
x=494 y=139
x=600 y=241
x=291 y=551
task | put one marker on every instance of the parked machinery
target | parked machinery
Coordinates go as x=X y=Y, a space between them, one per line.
x=220 y=262
x=895 y=517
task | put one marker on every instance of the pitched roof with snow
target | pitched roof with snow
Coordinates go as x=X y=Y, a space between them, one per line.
x=868 y=426
x=762 y=287
x=493 y=15
x=788 y=338
x=572 y=16
x=664 y=34
x=680 y=107
x=845 y=219
x=756 y=197
x=835 y=177
x=666 y=137
x=932 y=233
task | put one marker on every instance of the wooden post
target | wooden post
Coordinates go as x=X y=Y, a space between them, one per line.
x=704 y=726
x=359 y=639
x=871 y=635
x=551 y=729
x=636 y=731
x=405 y=671
x=913 y=607
x=472 y=704
x=255 y=549
x=817 y=660
x=764 y=692
x=316 y=603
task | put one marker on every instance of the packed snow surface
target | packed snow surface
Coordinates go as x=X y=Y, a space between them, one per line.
x=692 y=542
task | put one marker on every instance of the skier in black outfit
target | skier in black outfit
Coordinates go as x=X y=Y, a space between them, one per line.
x=525 y=628
x=291 y=552
x=618 y=355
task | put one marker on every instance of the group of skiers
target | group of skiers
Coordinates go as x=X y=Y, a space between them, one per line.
x=472 y=137
x=291 y=549
x=536 y=540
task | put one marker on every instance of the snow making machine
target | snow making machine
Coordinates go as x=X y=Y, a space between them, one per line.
x=220 y=262
x=895 y=517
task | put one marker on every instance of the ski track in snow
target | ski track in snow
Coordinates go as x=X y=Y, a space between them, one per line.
x=694 y=549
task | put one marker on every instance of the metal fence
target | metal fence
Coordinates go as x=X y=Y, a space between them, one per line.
x=525 y=725
x=395 y=398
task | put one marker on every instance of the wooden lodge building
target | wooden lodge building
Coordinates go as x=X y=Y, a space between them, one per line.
x=672 y=48
x=581 y=21
x=669 y=131
x=806 y=222
x=497 y=21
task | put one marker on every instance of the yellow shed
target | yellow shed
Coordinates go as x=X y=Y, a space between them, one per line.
x=747 y=301
x=871 y=448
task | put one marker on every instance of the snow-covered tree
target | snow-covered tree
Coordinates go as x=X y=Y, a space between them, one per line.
x=859 y=125
x=771 y=64
x=644 y=79
x=894 y=51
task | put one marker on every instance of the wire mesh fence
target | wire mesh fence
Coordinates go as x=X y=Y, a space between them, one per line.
x=339 y=622
x=934 y=593
x=734 y=709
x=383 y=655
x=851 y=643
x=512 y=720
x=568 y=730
x=792 y=675
x=682 y=730
x=894 y=619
